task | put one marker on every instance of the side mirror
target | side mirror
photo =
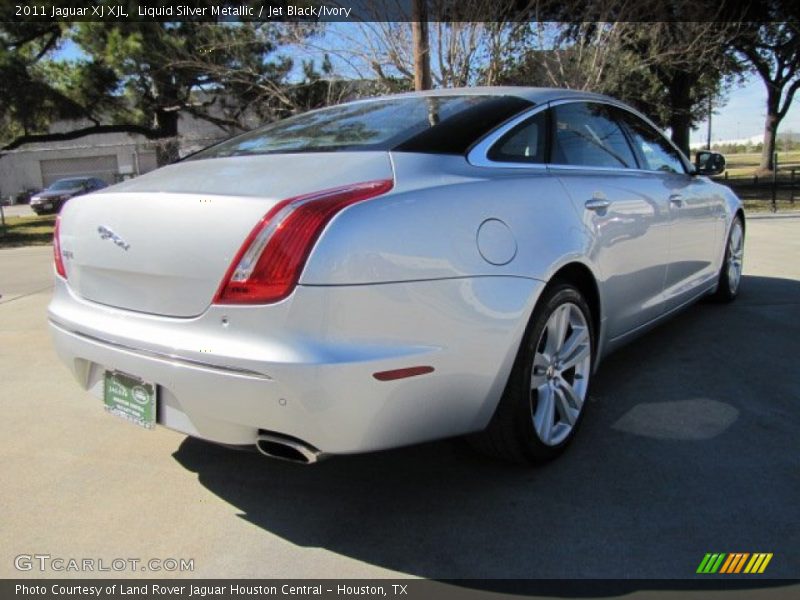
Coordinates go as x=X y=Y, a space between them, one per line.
x=709 y=163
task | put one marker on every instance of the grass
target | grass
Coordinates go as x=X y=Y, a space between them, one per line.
x=765 y=205
x=27 y=231
x=757 y=197
x=746 y=165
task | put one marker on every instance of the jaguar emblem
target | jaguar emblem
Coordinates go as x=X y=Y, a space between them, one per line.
x=107 y=234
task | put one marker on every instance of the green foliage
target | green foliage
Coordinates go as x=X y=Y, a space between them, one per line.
x=144 y=75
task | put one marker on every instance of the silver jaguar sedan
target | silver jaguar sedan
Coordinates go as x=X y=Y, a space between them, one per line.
x=390 y=271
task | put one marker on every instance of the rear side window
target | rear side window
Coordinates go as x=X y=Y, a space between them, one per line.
x=435 y=124
x=525 y=143
x=585 y=134
x=655 y=152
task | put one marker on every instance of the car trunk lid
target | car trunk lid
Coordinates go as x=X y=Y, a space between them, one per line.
x=163 y=242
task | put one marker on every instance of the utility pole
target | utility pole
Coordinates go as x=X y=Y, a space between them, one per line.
x=422 y=53
x=710 y=110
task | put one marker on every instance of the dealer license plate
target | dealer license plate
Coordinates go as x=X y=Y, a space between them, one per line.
x=130 y=398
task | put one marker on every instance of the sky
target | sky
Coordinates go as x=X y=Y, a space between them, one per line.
x=742 y=116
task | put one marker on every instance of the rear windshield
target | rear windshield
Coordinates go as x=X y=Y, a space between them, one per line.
x=67 y=184
x=442 y=124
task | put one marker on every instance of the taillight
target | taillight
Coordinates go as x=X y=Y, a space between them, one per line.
x=268 y=265
x=59 y=260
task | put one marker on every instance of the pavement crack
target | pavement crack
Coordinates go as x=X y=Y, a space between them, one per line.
x=33 y=293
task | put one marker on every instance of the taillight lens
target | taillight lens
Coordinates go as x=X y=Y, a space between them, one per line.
x=59 y=260
x=268 y=265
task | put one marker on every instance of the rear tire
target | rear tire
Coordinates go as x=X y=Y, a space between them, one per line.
x=730 y=275
x=545 y=397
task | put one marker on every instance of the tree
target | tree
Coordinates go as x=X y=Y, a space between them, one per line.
x=139 y=77
x=215 y=72
x=422 y=51
x=469 y=43
x=29 y=101
x=772 y=49
x=690 y=62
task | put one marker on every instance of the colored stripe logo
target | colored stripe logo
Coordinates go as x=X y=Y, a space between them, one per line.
x=734 y=562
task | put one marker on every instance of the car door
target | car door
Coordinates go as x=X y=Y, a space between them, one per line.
x=695 y=226
x=625 y=209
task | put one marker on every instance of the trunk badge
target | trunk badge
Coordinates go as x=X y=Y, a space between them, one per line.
x=107 y=234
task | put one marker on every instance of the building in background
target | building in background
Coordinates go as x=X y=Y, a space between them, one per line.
x=110 y=156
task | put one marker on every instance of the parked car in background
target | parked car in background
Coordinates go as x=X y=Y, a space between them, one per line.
x=391 y=271
x=52 y=198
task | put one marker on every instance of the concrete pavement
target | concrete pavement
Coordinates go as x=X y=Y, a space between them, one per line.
x=691 y=446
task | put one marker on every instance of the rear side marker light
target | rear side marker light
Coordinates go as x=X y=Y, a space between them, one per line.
x=59 y=260
x=268 y=266
x=402 y=373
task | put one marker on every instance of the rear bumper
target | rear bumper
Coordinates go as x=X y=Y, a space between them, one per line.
x=304 y=367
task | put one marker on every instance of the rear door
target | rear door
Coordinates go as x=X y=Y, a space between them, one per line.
x=626 y=209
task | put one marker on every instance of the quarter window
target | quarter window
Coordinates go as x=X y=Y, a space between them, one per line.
x=585 y=134
x=524 y=143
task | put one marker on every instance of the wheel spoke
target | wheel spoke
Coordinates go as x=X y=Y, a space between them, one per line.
x=572 y=397
x=557 y=329
x=575 y=349
x=566 y=412
x=544 y=416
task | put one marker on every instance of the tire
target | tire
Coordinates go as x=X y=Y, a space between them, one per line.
x=538 y=417
x=730 y=274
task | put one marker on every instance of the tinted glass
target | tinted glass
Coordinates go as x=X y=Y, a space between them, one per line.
x=525 y=143
x=585 y=134
x=67 y=184
x=383 y=124
x=655 y=152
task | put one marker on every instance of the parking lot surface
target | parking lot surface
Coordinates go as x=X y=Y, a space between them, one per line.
x=690 y=446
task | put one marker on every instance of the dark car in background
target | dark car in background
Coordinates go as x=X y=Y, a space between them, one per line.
x=52 y=198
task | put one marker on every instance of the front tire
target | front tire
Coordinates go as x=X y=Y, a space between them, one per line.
x=544 y=400
x=730 y=274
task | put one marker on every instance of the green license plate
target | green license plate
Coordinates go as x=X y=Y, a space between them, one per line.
x=130 y=398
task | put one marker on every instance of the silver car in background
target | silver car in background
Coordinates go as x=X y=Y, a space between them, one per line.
x=391 y=271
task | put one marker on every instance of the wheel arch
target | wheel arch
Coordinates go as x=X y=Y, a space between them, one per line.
x=581 y=276
x=740 y=213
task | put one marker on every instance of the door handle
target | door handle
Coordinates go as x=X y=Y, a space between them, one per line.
x=597 y=204
x=676 y=200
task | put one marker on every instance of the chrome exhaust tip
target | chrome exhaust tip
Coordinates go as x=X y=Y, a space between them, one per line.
x=287 y=449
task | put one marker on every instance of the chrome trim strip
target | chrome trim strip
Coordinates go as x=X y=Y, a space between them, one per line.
x=172 y=358
x=478 y=156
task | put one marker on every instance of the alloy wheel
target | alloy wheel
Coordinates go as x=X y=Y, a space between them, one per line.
x=735 y=255
x=560 y=374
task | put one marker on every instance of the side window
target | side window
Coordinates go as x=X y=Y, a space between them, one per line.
x=585 y=134
x=655 y=152
x=524 y=143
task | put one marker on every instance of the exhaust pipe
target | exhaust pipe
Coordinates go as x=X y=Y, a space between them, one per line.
x=288 y=449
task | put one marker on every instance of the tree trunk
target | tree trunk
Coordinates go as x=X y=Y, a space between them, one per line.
x=422 y=54
x=167 y=148
x=770 y=131
x=680 y=118
x=680 y=123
